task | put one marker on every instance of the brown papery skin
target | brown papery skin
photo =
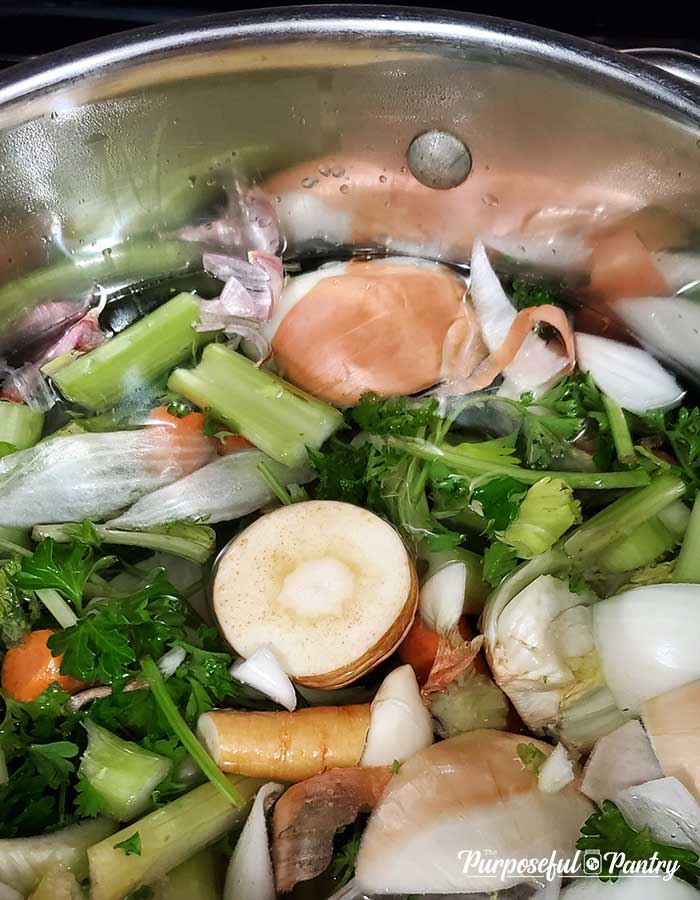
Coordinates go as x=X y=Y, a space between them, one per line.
x=286 y=746
x=378 y=328
x=309 y=814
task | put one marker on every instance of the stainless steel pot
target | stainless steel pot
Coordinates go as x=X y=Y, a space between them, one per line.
x=108 y=149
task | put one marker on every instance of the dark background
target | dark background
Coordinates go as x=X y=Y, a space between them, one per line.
x=32 y=28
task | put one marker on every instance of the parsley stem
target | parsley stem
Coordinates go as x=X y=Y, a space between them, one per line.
x=276 y=486
x=619 y=430
x=687 y=570
x=184 y=734
x=461 y=463
x=59 y=608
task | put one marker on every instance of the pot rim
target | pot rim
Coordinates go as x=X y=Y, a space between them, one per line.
x=330 y=22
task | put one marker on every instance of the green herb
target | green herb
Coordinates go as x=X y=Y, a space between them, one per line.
x=342 y=472
x=179 y=408
x=131 y=845
x=88 y=803
x=524 y=294
x=63 y=568
x=53 y=761
x=114 y=633
x=275 y=485
x=499 y=562
x=531 y=757
x=213 y=427
x=342 y=866
x=608 y=832
x=681 y=428
x=15 y=613
x=497 y=500
x=395 y=766
x=395 y=415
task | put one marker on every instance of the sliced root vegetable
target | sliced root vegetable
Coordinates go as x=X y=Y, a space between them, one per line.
x=307 y=817
x=630 y=376
x=667 y=808
x=661 y=650
x=618 y=761
x=400 y=725
x=328 y=586
x=29 y=668
x=556 y=771
x=249 y=875
x=387 y=326
x=667 y=326
x=472 y=701
x=25 y=861
x=262 y=671
x=673 y=723
x=286 y=746
x=470 y=792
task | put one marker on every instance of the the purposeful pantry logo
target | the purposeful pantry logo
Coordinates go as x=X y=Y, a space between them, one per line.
x=583 y=863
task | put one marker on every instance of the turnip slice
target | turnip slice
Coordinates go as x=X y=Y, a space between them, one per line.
x=619 y=761
x=673 y=722
x=465 y=793
x=667 y=808
x=557 y=771
x=328 y=586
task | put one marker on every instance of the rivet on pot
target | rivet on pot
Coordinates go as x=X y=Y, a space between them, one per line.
x=438 y=159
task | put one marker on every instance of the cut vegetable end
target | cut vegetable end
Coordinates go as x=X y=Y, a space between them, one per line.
x=20 y=426
x=328 y=586
x=687 y=570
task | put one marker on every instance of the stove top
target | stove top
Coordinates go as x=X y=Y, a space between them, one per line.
x=31 y=29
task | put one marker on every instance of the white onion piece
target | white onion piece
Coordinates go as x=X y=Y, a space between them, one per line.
x=667 y=326
x=493 y=308
x=226 y=489
x=647 y=641
x=9 y=893
x=171 y=661
x=263 y=671
x=619 y=760
x=441 y=599
x=552 y=251
x=249 y=875
x=465 y=793
x=556 y=772
x=667 y=808
x=630 y=889
x=679 y=269
x=535 y=369
x=399 y=725
x=630 y=376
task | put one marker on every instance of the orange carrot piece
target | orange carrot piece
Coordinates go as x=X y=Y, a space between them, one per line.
x=29 y=668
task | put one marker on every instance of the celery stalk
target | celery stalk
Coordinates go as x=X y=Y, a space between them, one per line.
x=687 y=570
x=122 y=773
x=14 y=542
x=644 y=546
x=59 y=608
x=460 y=462
x=619 y=430
x=169 y=836
x=623 y=517
x=201 y=876
x=275 y=416
x=136 y=357
x=20 y=426
x=183 y=539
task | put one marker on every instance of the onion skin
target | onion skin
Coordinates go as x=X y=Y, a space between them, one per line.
x=621 y=266
x=379 y=326
x=286 y=746
x=469 y=792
